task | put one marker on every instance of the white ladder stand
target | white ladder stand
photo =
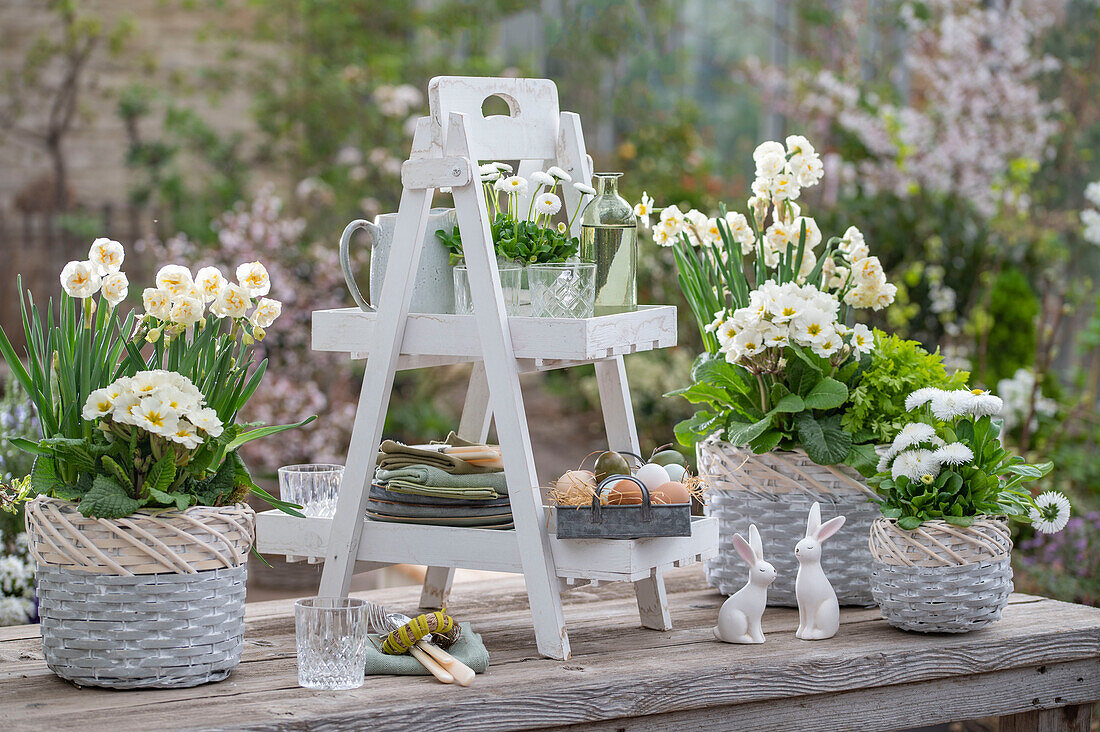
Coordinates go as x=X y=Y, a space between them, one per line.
x=447 y=147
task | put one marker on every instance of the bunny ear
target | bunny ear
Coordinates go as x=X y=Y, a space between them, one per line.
x=813 y=520
x=829 y=528
x=755 y=543
x=743 y=549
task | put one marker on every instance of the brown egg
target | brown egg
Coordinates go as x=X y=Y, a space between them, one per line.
x=671 y=492
x=624 y=493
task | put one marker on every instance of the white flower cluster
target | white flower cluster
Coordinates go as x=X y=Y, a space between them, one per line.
x=1090 y=217
x=163 y=403
x=16 y=584
x=101 y=272
x=779 y=315
x=181 y=298
x=1050 y=514
x=547 y=203
x=782 y=173
x=1017 y=393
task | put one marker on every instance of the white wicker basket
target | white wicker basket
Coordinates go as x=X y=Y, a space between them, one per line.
x=775 y=491
x=941 y=578
x=153 y=600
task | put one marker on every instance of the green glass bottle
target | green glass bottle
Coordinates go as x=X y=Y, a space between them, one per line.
x=609 y=238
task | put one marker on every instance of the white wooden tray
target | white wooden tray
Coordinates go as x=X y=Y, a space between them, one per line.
x=455 y=337
x=604 y=560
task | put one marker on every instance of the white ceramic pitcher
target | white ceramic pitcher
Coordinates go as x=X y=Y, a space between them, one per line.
x=433 y=289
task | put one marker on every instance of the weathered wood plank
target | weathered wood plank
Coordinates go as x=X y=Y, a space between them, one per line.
x=620 y=676
x=1074 y=718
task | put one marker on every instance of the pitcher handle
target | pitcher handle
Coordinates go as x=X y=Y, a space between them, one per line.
x=345 y=263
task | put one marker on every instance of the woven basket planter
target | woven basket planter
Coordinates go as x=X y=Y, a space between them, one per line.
x=775 y=491
x=153 y=600
x=940 y=578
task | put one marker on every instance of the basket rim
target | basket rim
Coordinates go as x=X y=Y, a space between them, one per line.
x=931 y=542
x=157 y=513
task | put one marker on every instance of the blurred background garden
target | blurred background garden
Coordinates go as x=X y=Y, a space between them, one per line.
x=961 y=137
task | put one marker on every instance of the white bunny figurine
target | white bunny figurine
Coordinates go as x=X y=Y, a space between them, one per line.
x=739 y=618
x=818 y=609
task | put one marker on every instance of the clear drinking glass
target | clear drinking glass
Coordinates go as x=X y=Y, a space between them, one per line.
x=511 y=277
x=566 y=290
x=332 y=642
x=314 y=486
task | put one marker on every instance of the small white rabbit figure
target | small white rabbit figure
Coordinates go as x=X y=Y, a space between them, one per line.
x=739 y=618
x=818 y=609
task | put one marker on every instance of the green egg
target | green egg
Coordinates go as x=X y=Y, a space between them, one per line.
x=611 y=463
x=668 y=457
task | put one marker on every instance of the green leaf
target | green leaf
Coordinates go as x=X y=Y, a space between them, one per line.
x=117 y=472
x=257 y=434
x=766 y=442
x=107 y=499
x=696 y=428
x=863 y=459
x=960 y=520
x=44 y=478
x=909 y=522
x=741 y=433
x=827 y=394
x=789 y=404
x=161 y=475
x=30 y=447
x=824 y=440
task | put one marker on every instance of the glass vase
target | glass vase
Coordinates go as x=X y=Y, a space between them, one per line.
x=510 y=285
x=609 y=239
x=565 y=290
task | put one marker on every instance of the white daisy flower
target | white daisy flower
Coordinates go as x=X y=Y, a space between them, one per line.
x=954 y=454
x=547 y=204
x=885 y=460
x=984 y=404
x=912 y=435
x=1051 y=512
x=80 y=279
x=514 y=184
x=921 y=397
x=559 y=173
x=503 y=167
x=488 y=169
x=106 y=255
x=914 y=464
x=540 y=178
x=949 y=405
x=587 y=190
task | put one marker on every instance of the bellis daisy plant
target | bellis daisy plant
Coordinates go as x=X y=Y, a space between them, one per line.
x=950 y=465
x=140 y=410
x=524 y=232
x=772 y=300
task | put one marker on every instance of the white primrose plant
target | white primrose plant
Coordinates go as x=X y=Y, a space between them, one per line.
x=771 y=299
x=140 y=410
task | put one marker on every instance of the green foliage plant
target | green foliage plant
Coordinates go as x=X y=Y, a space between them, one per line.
x=104 y=441
x=526 y=237
x=875 y=410
x=950 y=465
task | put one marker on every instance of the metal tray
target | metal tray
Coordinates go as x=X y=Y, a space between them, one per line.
x=623 y=522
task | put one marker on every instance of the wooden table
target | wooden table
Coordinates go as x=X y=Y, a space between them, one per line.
x=1039 y=668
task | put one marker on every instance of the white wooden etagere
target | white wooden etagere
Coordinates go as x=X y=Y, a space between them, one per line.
x=447 y=147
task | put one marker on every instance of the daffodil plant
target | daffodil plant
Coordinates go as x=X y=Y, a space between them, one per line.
x=780 y=357
x=119 y=395
x=521 y=233
x=950 y=465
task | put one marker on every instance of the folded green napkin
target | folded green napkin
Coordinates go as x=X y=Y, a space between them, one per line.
x=393 y=455
x=429 y=475
x=468 y=648
x=401 y=486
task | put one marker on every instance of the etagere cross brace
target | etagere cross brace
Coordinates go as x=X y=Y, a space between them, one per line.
x=446 y=150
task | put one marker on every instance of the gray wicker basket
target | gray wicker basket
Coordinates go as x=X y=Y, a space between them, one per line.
x=775 y=491
x=143 y=631
x=152 y=600
x=940 y=578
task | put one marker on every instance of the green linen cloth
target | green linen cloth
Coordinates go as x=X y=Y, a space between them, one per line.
x=393 y=455
x=429 y=475
x=416 y=489
x=469 y=649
